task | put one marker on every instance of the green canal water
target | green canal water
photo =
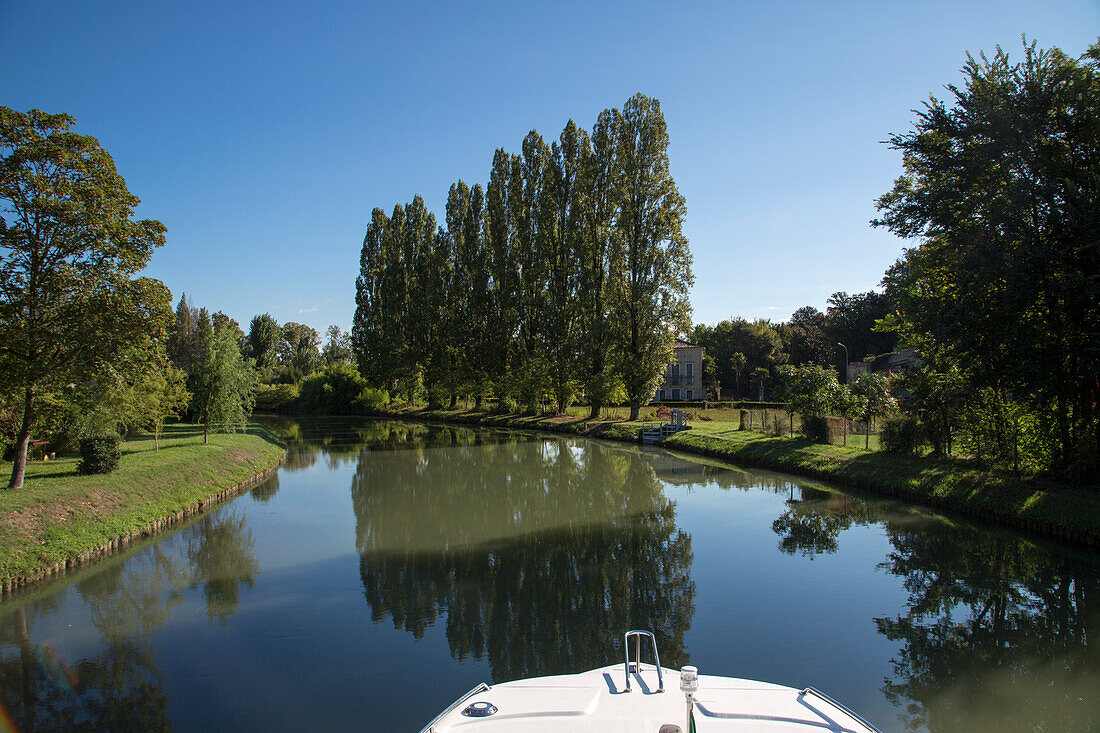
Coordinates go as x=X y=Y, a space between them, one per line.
x=390 y=567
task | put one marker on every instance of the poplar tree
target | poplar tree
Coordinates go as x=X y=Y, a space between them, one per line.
x=564 y=236
x=652 y=263
x=458 y=327
x=532 y=205
x=595 y=254
x=499 y=233
x=425 y=281
x=367 y=328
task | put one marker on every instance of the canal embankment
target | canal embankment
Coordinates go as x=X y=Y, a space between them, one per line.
x=61 y=520
x=1048 y=508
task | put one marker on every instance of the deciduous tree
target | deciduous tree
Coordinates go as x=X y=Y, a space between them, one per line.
x=652 y=263
x=70 y=252
x=1002 y=188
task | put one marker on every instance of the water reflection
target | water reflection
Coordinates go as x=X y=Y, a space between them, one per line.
x=127 y=602
x=995 y=629
x=539 y=555
x=531 y=556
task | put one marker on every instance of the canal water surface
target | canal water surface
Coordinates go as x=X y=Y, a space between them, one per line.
x=389 y=567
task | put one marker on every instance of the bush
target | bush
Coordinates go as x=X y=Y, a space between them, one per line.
x=372 y=399
x=900 y=434
x=99 y=454
x=331 y=391
x=276 y=397
x=815 y=428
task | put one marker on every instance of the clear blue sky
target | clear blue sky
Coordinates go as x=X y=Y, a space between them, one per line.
x=262 y=134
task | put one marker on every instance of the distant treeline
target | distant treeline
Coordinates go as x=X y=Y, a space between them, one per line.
x=567 y=274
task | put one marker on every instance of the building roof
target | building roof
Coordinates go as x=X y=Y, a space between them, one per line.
x=684 y=345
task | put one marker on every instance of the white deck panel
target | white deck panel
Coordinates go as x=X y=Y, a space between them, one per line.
x=598 y=701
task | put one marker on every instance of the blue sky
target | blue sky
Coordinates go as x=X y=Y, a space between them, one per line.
x=262 y=134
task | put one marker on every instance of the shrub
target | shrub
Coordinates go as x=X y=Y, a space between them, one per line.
x=275 y=397
x=900 y=434
x=331 y=391
x=99 y=454
x=372 y=399
x=815 y=428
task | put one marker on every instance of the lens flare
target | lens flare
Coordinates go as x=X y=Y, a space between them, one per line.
x=56 y=668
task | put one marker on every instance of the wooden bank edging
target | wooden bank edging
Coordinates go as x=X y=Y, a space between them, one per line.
x=10 y=586
x=606 y=431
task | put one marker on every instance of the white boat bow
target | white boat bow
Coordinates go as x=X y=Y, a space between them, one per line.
x=634 y=698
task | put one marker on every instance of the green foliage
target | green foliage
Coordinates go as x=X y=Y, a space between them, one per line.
x=815 y=428
x=299 y=355
x=935 y=393
x=224 y=385
x=337 y=347
x=331 y=391
x=811 y=390
x=740 y=347
x=900 y=434
x=372 y=399
x=568 y=274
x=70 y=253
x=851 y=320
x=262 y=344
x=275 y=397
x=99 y=454
x=805 y=338
x=1001 y=187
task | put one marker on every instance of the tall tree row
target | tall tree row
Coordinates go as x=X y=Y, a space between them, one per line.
x=567 y=274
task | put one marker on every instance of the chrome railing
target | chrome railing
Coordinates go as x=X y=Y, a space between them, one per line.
x=839 y=706
x=638 y=634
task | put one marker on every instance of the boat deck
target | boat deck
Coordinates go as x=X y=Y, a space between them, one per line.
x=598 y=700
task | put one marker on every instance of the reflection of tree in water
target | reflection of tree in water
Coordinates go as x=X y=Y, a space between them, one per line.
x=121 y=687
x=539 y=554
x=220 y=551
x=266 y=490
x=996 y=629
x=812 y=523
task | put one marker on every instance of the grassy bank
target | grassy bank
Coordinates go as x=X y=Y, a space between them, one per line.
x=60 y=519
x=1056 y=510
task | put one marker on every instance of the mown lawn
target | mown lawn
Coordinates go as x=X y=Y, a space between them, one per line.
x=60 y=515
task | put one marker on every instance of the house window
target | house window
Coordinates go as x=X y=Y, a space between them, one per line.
x=690 y=371
x=675 y=394
x=662 y=395
x=691 y=394
x=676 y=371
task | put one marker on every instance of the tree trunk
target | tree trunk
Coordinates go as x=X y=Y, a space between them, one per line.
x=635 y=408
x=156 y=438
x=594 y=414
x=29 y=662
x=19 y=466
x=205 y=433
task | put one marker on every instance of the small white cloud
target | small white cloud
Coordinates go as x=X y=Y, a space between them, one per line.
x=315 y=307
x=773 y=308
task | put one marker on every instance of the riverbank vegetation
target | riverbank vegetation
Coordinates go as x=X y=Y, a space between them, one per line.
x=62 y=516
x=1057 y=509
